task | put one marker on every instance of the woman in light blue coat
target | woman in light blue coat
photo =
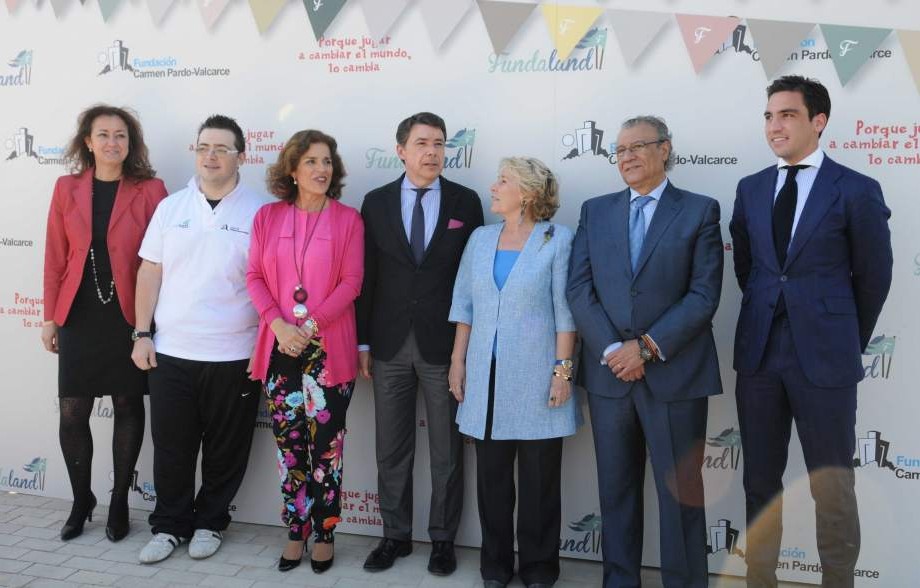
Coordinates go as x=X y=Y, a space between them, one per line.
x=511 y=370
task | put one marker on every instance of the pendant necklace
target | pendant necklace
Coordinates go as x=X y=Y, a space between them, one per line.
x=300 y=294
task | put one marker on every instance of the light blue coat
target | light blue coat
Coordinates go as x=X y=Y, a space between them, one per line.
x=526 y=315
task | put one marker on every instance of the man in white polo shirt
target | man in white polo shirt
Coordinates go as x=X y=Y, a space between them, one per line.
x=192 y=284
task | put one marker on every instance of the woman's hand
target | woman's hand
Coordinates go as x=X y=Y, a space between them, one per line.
x=291 y=339
x=456 y=379
x=50 y=336
x=559 y=392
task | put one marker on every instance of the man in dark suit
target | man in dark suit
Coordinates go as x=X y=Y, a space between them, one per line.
x=644 y=283
x=415 y=232
x=813 y=258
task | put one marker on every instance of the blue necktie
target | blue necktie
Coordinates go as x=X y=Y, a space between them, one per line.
x=417 y=230
x=637 y=228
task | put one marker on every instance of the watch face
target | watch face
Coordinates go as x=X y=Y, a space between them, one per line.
x=134 y=335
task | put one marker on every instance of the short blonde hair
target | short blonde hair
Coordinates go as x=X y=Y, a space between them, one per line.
x=538 y=184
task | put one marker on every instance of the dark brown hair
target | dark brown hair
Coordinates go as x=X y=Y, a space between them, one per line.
x=135 y=167
x=278 y=177
x=421 y=118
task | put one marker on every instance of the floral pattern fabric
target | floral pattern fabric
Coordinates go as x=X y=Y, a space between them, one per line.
x=308 y=421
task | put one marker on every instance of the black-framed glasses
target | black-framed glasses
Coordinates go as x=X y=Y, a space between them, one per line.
x=634 y=148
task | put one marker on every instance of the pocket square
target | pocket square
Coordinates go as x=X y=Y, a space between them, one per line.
x=454 y=224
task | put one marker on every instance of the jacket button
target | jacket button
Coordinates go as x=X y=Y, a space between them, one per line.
x=783 y=279
x=414 y=301
x=634 y=292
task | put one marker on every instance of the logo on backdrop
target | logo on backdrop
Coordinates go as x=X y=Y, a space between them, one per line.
x=878 y=356
x=458 y=153
x=145 y=489
x=21 y=145
x=727 y=450
x=587 y=140
x=917 y=265
x=583 y=536
x=263 y=418
x=103 y=408
x=740 y=43
x=116 y=59
x=874 y=449
x=30 y=476
x=588 y=55
x=20 y=72
x=723 y=537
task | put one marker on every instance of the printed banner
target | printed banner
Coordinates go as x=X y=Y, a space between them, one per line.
x=11 y=5
x=441 y=18
x=381 y=15
x=321 y=14
x=704 y=35
x=265 y=12
x=635 y=31
x=910 y=44
x=107 y=7
x=775 y=40
x=503 y=20
x=851 y=47
x=211 y=10
x=568 y=25
x=60 y=7
x=158 y=9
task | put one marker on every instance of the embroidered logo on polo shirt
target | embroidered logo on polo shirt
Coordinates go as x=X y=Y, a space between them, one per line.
x=184 y=224
x=233 y=229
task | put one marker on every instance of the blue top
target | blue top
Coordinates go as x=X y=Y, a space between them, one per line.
x=504 y=261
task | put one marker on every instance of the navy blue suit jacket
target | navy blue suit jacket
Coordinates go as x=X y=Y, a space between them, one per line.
x=835 y=279
x=672 y=296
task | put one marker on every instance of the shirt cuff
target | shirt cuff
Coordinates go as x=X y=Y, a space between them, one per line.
x=364 y=348
x=610 y=349
x=661 y=355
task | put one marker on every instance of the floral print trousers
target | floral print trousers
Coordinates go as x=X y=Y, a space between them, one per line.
x=308 y=420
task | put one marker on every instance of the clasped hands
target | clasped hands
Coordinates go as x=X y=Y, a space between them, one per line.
x=625 y=363
x=292 y=340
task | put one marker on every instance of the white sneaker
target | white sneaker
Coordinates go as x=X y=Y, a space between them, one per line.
x=204 y=543
x=158 y=548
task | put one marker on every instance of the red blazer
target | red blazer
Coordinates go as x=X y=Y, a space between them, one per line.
x=70 y=234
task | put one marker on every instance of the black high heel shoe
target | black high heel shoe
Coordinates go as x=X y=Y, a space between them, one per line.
x=321 y=566
x=73 y=527
x=118 y=524
x=286 y=565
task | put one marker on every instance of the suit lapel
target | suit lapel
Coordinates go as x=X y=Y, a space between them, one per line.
x=127 y=192
x=822 y=196
x=666 y=211
x=83 y=198
x=762 y=212
x=448 y=202
x=393 y=210
x=618 y=218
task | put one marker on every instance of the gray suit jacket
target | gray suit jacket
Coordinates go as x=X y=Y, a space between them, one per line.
x=672 y=296
x=525 y=316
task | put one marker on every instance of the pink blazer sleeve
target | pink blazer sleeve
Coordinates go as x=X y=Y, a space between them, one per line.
x=259 y=291
x=350 y=277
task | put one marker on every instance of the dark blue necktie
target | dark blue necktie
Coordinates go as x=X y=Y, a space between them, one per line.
x=417 y=230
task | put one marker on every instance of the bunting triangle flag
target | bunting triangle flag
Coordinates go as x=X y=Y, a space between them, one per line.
x=568 y=24
x=59 y=7
x=265 y=12
x=503 y=20
x=381 y=15
x=321 y=14
x=635 y=31
x=211 y=10
x=441 y=18
x=704 y=35
x=158 y=9
x=776 y=40
x=11 y=5
x=851 y=47
x=107 y=7
x=910 y=44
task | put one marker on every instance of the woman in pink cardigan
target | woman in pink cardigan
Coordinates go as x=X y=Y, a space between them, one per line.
x=306 y=264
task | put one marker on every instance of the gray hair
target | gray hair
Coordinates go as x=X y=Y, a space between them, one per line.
x=661 y=128
x=538 y=184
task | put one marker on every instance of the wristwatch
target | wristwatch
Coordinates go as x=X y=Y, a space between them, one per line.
x=135 y=334
x=644 y=352
x=565 y=364
x=311 y=324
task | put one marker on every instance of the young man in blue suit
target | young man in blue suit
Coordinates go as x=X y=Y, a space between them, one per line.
x=644 y=283
x=813 y=258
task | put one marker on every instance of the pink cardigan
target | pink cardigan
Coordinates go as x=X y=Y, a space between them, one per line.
x=332 y=306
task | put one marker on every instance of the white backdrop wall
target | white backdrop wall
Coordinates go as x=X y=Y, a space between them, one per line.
x=274 y=86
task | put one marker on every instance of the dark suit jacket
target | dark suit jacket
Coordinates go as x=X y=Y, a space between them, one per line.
x=70 y=232
x=397 y=295
x=835 y=280
x=672 y=296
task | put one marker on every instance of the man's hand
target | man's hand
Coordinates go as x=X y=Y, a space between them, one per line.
x=144 y=355
x=626 y=360
x=365 y=364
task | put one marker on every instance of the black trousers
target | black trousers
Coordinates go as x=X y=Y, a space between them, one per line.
x=539 y=497
x=211 y=405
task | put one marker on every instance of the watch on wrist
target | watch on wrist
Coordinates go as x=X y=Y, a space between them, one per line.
x=311 y=324
x=564 y=363
x=644 y=352
x=135 y=334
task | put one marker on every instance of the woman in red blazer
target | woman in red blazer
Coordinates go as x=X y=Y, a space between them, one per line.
x=97 y=219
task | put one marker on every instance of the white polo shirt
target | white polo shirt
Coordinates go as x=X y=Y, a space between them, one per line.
x=203 y=312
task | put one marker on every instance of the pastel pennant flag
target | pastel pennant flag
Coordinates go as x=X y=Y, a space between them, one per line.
x=851 y=47
x=211 y=10
x=441 y=18
x=568 y=24
x=775 y=40
x=503 y=20
x=59 y=7
x=265 y=12
x=158 y=9
x=107 y=7
x=910 y=44
x=11 y=5
x=381 y=15
x=635 y=31
x=321 y=14
x=704 y=35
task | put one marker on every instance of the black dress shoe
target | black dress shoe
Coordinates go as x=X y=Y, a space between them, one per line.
x=73 y=527
x=286 y=565
x=539 y=585
x=117 y=525
x=493 y=584
x=442 y=562
x=321 y=566
x=385 y=554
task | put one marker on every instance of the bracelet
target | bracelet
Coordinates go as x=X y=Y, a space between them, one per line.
x=566 y=377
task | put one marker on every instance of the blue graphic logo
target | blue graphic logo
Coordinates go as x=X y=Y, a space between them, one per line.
x=588 y=55
x=729 y=441
x=881 y=352
x=22 y=63
x=462 y=141
x=22 y=146
x=32 y=478
x=588 y=535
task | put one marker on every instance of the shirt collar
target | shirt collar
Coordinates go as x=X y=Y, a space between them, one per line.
x=408 y=185
x=814 y=160
x=655 y=194
x=193 y=185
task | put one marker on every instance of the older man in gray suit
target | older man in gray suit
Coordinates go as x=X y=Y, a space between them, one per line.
x=644 y=283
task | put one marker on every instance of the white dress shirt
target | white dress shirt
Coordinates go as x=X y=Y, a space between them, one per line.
x=804 y=180
x=431 y=206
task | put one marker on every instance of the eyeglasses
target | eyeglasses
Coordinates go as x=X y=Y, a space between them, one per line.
x=206 y=150
x=635 y=148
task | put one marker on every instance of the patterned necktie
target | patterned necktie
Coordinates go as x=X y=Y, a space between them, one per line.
x=637 y=228
x=417 y=230
x=784 y=212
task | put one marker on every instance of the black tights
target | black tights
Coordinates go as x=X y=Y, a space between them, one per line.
x=77 y=447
